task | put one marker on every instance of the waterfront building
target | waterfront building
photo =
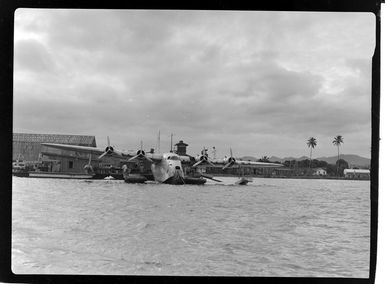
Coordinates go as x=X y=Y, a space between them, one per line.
x=246 y=171
x=319 y=172
x=282 y=172
x=357 y=173
x=27 y=147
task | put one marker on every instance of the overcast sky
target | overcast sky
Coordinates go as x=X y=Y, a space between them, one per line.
x=259 y=82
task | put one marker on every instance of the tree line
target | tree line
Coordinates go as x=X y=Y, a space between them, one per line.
x=331 y=169
x=336 y=169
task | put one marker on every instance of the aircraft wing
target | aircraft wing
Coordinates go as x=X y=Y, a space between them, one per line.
x=88 y=150
x=258 y=164
x=154 y=156
x=221 y=163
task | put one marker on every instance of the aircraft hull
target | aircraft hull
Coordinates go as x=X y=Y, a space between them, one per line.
x=194 y=180
x=173 y=180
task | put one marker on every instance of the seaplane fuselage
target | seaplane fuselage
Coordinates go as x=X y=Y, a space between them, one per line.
x=168 y=169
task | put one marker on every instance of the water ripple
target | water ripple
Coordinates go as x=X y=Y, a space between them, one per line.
x=272 y=227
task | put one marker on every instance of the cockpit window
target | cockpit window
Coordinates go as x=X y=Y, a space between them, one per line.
x=175 y=158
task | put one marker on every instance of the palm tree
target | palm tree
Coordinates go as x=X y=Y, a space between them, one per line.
x=311 y=143
x=337 y=142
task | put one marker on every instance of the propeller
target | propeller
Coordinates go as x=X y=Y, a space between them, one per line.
x=230 y=160
x=140 y=154
x=88 y=167
x=109 y=149
x=204 y=158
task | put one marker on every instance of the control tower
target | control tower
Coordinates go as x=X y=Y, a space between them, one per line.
x=181 y=148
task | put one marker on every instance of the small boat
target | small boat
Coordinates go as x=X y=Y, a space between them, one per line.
x=109 y=178
x=242 y=181
x=19 y=169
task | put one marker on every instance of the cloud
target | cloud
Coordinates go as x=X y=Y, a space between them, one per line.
x=32 y=55
x=218 y=78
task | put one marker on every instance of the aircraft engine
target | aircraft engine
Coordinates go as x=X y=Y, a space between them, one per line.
x=108 y=150
x=203 y=159
x=229 y=162
x=140 y=154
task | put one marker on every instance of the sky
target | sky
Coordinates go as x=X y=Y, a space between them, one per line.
x=259 y=82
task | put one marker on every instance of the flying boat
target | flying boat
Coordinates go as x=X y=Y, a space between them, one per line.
x=166 y=168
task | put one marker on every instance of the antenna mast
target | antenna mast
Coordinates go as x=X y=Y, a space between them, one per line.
x=171 y=143
x=158 y=142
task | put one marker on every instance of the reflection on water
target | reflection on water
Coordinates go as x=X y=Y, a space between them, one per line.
x=271 y=227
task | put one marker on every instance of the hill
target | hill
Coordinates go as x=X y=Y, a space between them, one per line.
x=351 y=159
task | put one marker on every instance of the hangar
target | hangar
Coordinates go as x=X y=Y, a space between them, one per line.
x=27 y=148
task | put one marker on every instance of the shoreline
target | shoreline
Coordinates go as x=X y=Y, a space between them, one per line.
x=295 y=177
x=83 y=176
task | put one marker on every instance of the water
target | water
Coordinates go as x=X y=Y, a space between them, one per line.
x=271 y=227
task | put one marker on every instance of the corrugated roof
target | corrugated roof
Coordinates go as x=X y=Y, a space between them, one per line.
x=82 y=140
